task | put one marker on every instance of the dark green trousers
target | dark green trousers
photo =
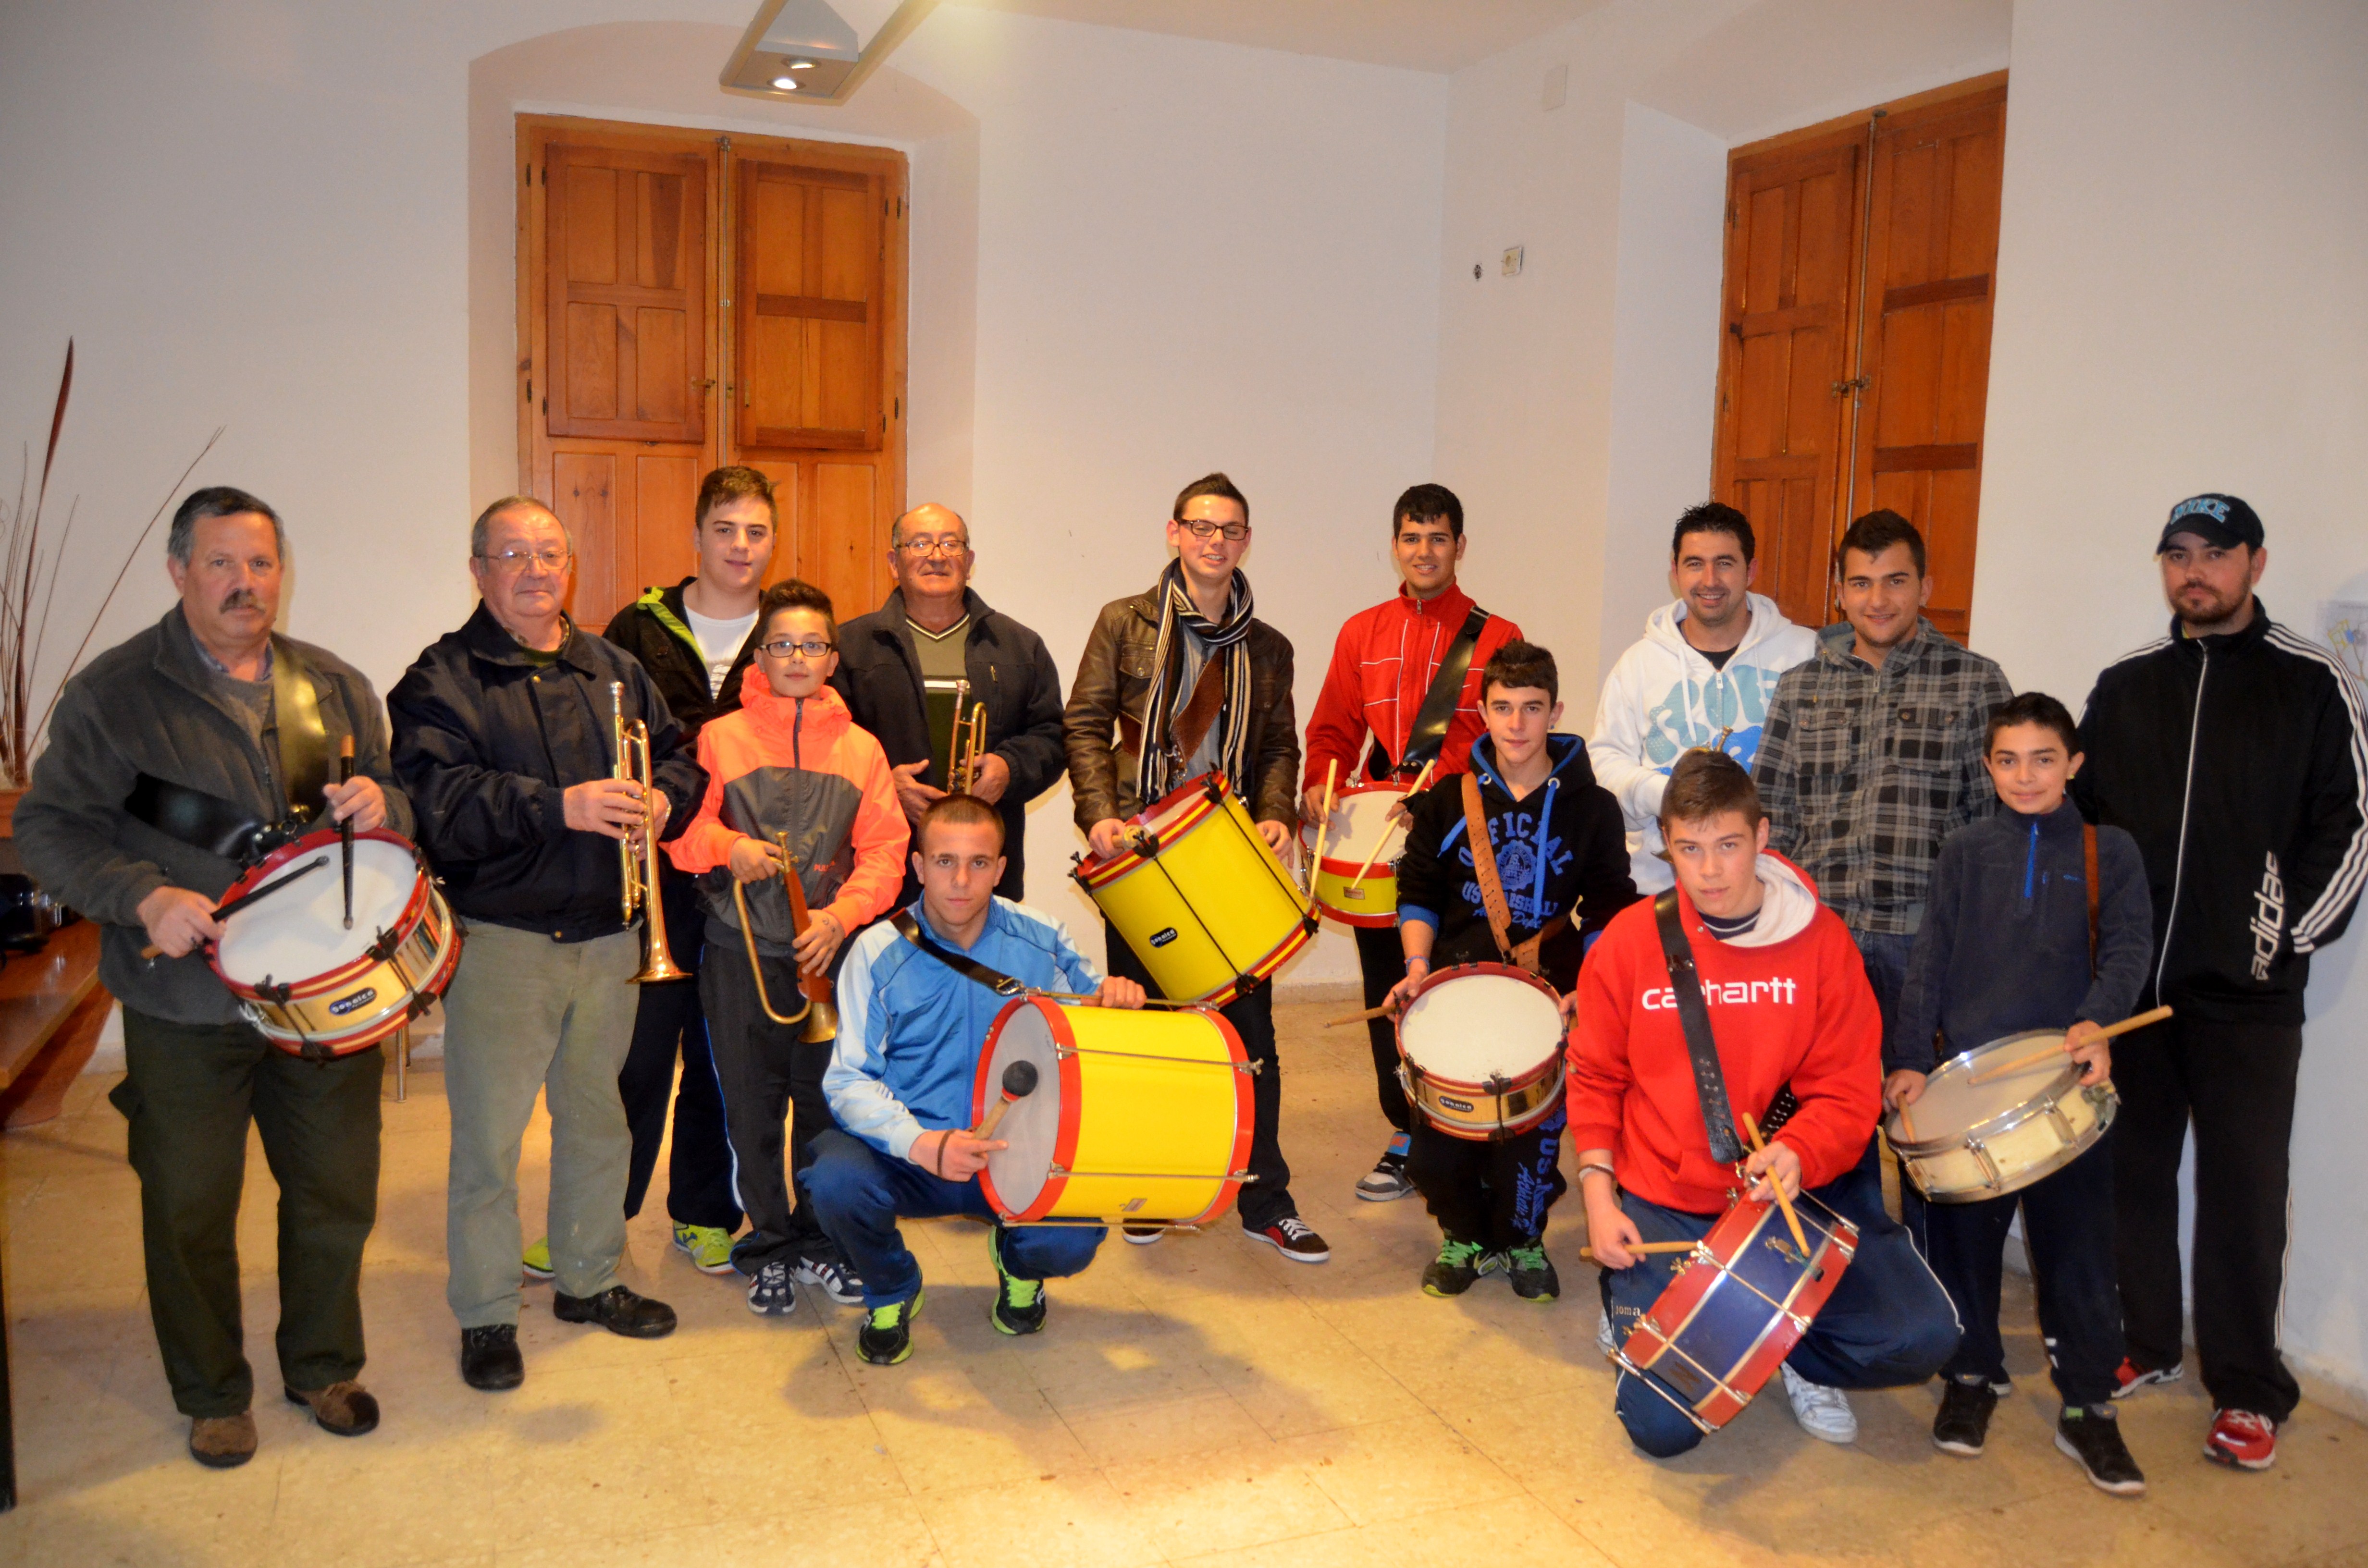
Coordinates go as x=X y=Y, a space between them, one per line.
x=189 y=1091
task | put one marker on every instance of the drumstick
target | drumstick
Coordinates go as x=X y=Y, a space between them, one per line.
x=346 y=828
x=224 y=911
x=1644 y=1248
x=1018 y=1083
x=1800 y=1238
x=2019 y=1063
x=1412 y=790
x=1381 y=1011
x=1323 y=820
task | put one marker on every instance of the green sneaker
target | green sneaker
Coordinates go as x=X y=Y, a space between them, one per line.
x=1018 y=1303
x=1456 y=1268
x=886 y=1336
x=708 y=1249
x=536 y=1260
x=1535 y=1278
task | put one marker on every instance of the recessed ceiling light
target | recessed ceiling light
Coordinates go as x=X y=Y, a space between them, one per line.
x=786 y=83
x=801 y=65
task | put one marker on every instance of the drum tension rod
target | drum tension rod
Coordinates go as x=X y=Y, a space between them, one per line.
x=384 y=948
x=271 y=992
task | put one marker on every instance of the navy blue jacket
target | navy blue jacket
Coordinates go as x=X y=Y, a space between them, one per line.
x=2004 y=947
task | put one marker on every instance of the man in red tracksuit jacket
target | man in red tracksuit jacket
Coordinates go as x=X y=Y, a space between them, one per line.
x=1382 y=665
x=1789 y=1007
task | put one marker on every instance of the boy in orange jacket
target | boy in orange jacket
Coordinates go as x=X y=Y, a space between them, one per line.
x=790 y=761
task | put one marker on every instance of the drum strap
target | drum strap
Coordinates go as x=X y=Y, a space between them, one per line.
x=1694 y=1016
x=2088 y=869
x=201 y=820
x=969 y=967
x=1437 y=711
x=304 y=739
x=1492 y=891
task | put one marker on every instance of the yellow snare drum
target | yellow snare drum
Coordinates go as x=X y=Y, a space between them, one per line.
x=1201 y=898
x=1359 y=827
x=1136 y=1116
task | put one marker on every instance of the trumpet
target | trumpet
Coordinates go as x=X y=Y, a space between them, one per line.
x=968 y=744
x=638 y=866
x=817 y=1006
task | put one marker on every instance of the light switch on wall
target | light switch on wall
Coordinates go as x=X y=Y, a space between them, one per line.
x=1513 y=261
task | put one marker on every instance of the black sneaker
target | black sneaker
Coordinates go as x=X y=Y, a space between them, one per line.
x=1292 y=1237
x=490 y=1358
x=771 y=1294
x=886 y=1336
x=1963 y=1424
x=1535 y=1278
x=1018 y=1303
x=1457 y=1267
x=618 y=1310
x=2093 y=1436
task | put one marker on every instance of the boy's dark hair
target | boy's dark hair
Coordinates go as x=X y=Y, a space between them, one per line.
x=1878 y=532
x=1427 y=503
x=1520 y=663
x=1211 y=485
x=795 y=594
x=724 y=484
x=965 y=810
x=2034 y=708
x=1705 y=784
x=1713 y=517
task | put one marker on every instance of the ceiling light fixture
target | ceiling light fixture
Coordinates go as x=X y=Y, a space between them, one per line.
x=801 y=65
x=787 y=83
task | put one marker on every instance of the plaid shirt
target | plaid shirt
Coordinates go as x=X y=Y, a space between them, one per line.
x=1863 y=771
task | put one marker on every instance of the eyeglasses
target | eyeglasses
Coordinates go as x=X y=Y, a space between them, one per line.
x=811 y=647
x=511 y=561
x=1202 y=528
x=922 y=549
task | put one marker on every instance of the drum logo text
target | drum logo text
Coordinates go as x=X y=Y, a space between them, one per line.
x=1162 y=938
x=1453 y=1104
x=359 y=1000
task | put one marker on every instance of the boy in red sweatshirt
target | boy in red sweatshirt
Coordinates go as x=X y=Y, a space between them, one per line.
x=1790 y=1008
x=790 y=760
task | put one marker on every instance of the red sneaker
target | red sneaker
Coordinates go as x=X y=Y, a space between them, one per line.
x=2241 y=1438
x=2130 y=1377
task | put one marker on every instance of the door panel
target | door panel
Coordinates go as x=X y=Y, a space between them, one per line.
x=626 y=286
x=810 y=328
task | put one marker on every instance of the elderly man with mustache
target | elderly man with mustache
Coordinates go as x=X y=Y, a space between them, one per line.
x=176 y=759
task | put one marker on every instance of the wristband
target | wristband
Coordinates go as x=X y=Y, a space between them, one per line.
x=1422 y=959
x=1607 y=1170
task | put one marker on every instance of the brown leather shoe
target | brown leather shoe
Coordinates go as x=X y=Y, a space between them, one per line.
x=223 y=1442
x=346 y=1408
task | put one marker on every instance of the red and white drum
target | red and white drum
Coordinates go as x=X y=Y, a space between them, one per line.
x=1360 y=831
x=1480 y=1050
x=317 y=989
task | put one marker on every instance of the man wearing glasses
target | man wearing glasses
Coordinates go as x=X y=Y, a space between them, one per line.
x=502 y=739
x=1179 y=682
x=934 y=645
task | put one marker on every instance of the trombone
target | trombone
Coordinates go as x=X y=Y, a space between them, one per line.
x=817 y=1004
x=638 y=868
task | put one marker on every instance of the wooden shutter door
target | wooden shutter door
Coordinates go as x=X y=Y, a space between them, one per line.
x=1931 y=251
x=1791 y=244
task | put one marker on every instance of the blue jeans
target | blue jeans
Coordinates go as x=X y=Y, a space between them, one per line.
x=859 y=1193
x=1887 y=1324
x=1885 y=958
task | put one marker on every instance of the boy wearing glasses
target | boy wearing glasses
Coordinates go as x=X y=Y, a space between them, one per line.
x=1176 y=683
x=788 y=762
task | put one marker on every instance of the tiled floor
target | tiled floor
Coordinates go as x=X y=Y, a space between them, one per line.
x=1201 y=1401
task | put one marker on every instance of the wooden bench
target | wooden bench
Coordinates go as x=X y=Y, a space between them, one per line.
x=51 y=1009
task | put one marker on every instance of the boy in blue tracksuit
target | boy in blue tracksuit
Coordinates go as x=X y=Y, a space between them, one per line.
x=910 y=1031
x=2014 y=939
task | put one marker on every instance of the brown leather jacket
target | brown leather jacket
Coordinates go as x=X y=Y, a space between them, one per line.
x=1106 y=697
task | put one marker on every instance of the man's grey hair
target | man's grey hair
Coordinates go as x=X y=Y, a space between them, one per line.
x=217 y=501
x=481 y=529
x=897 y=528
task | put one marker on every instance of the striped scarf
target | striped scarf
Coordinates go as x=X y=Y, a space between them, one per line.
x=1156 y=770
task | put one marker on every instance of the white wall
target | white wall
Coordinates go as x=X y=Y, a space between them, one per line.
x=2180 y=309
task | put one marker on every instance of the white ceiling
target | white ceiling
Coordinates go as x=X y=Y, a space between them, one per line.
x=1419 y=35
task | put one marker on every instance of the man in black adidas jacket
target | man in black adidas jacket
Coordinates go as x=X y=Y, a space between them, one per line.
x=2234 y=751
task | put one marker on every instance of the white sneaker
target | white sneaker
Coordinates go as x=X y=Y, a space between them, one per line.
x=1822 y=1413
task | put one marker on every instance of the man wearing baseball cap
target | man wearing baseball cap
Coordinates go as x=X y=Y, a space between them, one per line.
x=2235 y=751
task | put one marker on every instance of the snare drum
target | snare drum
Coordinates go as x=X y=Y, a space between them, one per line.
x=1137 y=1116
x=317 y=989
x=1357 y=827
x=1978 y=1141
x=1202 y=900
x=1480 y=1050
x=1741 y=1300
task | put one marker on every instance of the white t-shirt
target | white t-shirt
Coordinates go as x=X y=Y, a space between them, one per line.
x=719 y=643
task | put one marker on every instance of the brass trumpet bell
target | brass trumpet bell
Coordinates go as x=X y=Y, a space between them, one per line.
x=638 y=869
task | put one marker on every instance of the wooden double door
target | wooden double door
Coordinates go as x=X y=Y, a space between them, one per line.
x=689 y=300
x=1854 y=366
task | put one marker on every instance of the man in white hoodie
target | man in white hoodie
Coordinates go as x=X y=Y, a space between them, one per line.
x=1700 y=676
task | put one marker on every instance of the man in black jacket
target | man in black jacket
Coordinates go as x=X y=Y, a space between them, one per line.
x=696 y=640
x=932 y=633
x=2234 y=751
x=503 y=738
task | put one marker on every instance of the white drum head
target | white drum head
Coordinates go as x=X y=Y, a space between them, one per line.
x=1033 y=1125
x=1951 y=1103
x=298 y=933
x=1357 y=825
x=1478 y=1027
